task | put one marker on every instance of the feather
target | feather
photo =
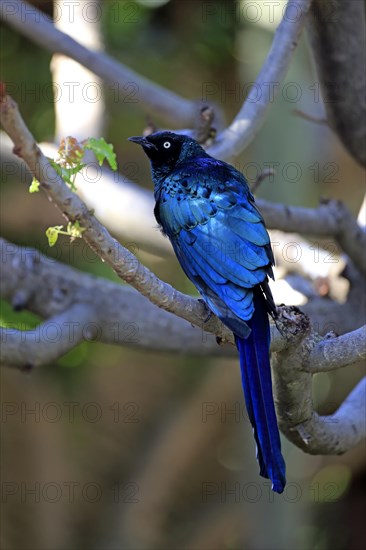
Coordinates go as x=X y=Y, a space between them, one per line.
x=257 y=385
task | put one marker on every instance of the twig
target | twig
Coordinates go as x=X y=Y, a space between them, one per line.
x=262 y=176
x=120 y=259
x=34 y=24
x=234 y=139
x=205 y=132
x=309 y=117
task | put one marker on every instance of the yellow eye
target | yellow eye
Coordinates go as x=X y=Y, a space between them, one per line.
x=166 y=144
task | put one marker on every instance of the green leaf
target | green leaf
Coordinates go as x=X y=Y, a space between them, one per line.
x=102 y=150
x=68 y=173
x=34 y=186
x=52 y=234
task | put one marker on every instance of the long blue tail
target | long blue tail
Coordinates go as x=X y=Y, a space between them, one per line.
x=257 y=385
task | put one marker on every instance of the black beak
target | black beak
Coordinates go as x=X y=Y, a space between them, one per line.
x=143 y=142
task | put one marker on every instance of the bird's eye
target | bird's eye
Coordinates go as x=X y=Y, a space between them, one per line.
x=166 y=144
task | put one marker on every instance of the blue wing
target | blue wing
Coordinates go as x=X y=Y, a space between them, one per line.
x=221 y=242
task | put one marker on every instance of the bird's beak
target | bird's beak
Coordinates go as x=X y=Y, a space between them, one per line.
x=143 y=142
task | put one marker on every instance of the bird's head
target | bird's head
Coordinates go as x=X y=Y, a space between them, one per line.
x=166 y=149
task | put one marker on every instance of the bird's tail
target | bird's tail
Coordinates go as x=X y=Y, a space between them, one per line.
x=257 y=384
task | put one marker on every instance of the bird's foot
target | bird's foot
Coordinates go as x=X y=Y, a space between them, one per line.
x=291 y=321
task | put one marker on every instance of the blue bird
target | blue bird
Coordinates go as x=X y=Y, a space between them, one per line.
x=206 y=209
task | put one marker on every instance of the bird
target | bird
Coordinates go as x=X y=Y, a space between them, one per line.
x=206 y=209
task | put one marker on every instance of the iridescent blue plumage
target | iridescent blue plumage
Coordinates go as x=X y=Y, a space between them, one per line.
x=206 y=209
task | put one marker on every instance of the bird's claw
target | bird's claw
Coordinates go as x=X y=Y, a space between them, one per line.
x=207 y=309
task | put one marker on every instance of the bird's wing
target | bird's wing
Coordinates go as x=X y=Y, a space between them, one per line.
x=222 y=244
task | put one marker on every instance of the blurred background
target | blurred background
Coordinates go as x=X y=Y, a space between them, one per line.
x=111 y=447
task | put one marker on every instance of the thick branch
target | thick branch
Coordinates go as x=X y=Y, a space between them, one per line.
x=34 y=24
x=49 y=341
x=334 y=353
x=336 y=433
x=234 y=139
x=329 y=219
x=337 y=32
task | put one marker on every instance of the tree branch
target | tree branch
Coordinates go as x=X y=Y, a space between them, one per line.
x=334 y=353
x=34 y=24
x=234 y=139
x=26 y=349
x=337 y=33
x=119 y=314
x=333 y=434
x=331 y=218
